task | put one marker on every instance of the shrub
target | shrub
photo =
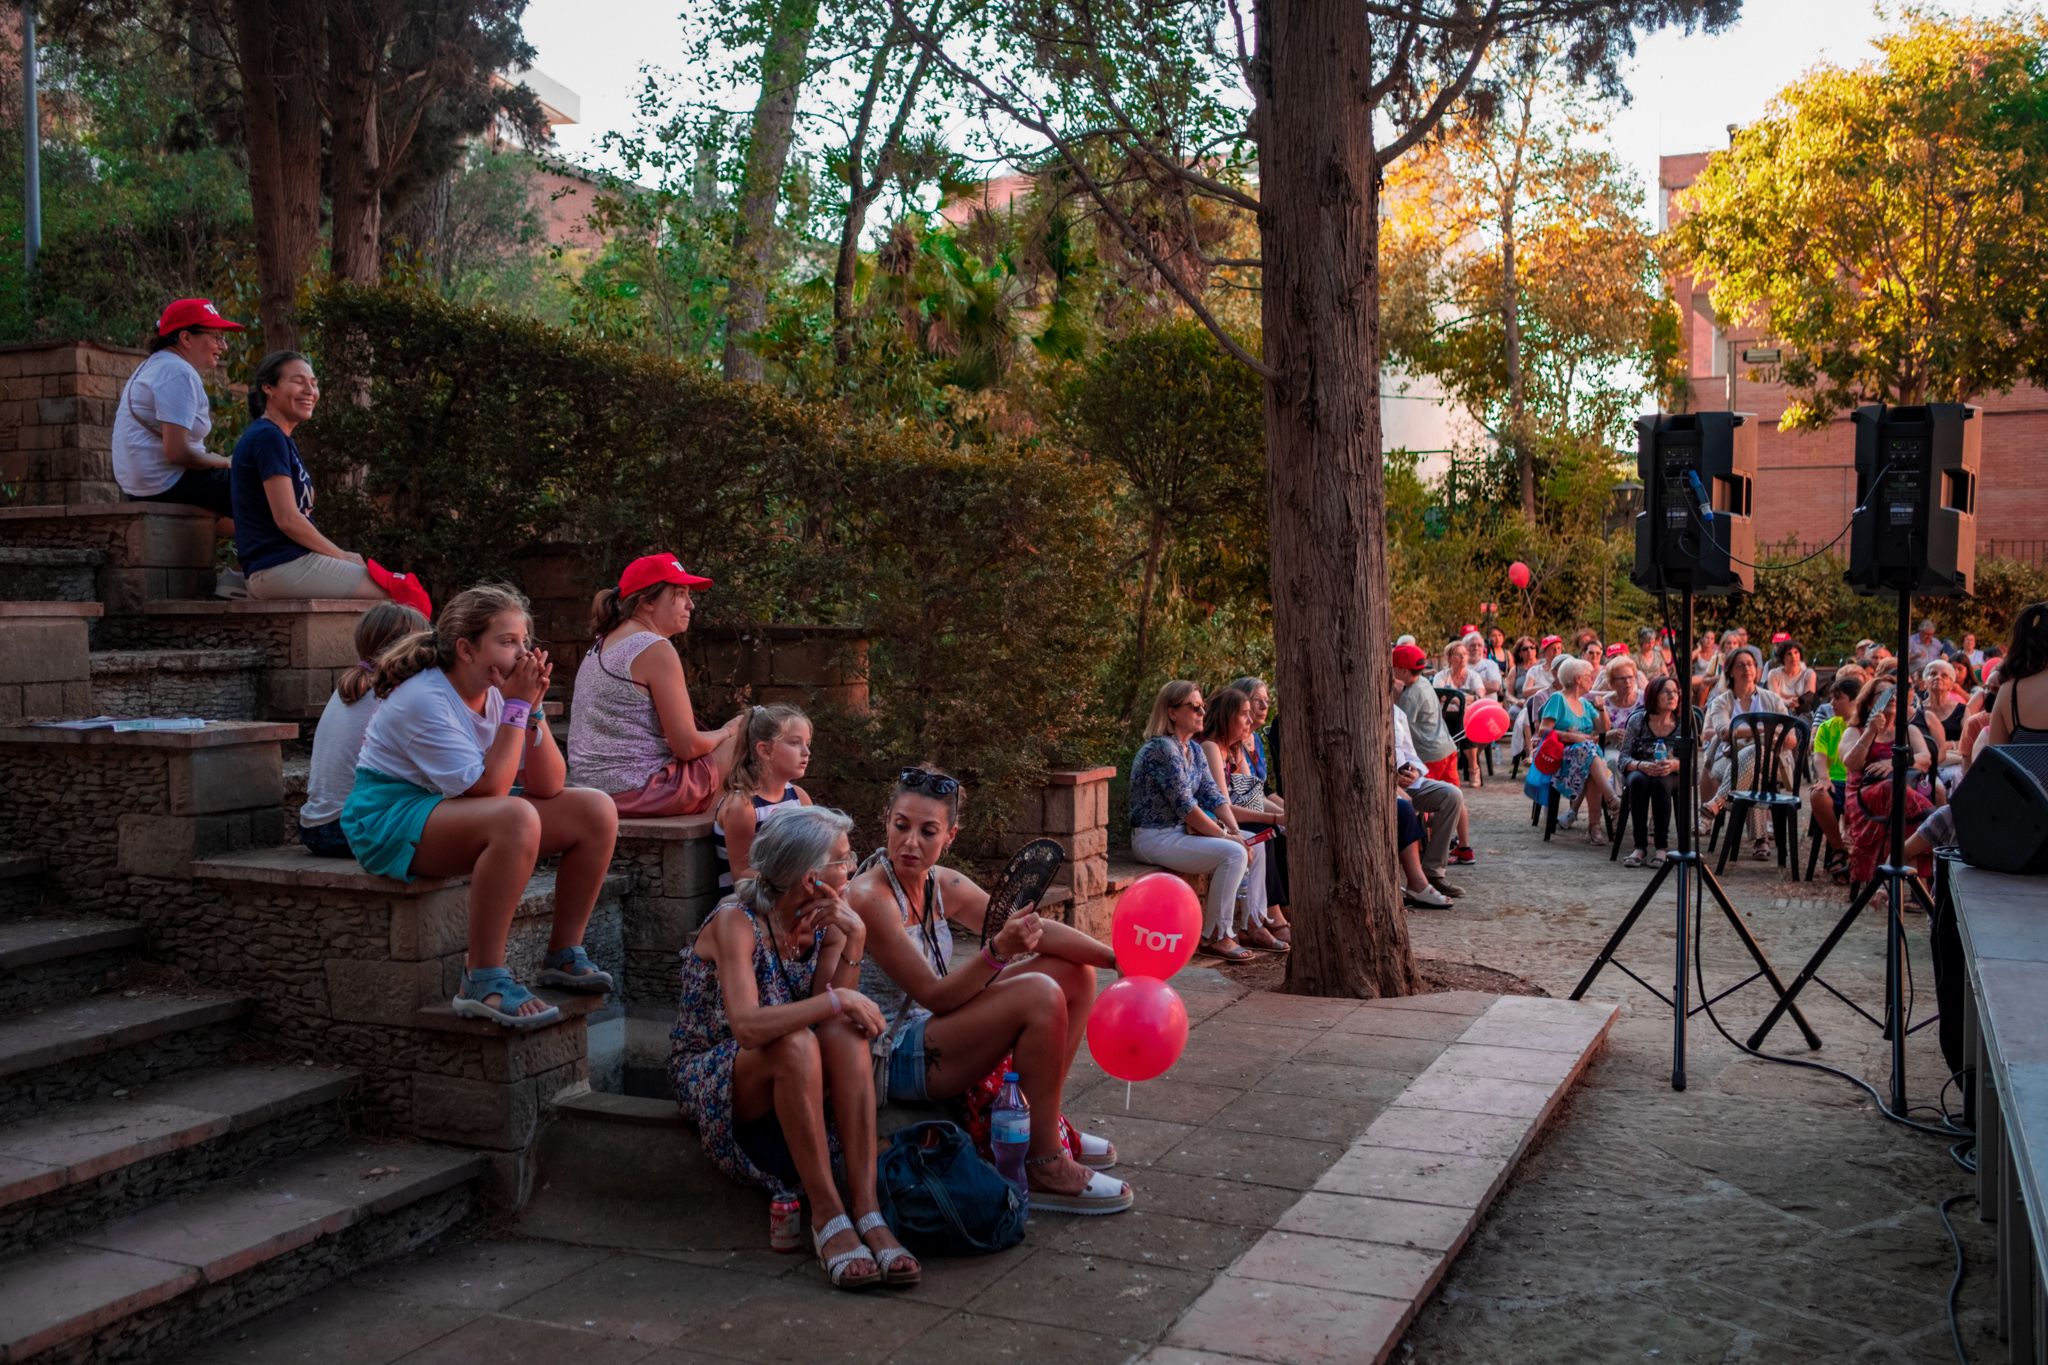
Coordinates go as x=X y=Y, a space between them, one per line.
x=452 y=439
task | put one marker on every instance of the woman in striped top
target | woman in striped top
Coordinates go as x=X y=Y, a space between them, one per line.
x=778 y=752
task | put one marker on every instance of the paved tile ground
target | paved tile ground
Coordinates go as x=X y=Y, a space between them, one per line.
x=1765 y=1214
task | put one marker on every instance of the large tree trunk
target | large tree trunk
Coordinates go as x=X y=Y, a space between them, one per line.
x=357 y=186
x=784 y=58
x=279 y=42
x=1326 y=497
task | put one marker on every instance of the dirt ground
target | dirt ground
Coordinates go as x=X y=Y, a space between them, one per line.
x=1766 y=1213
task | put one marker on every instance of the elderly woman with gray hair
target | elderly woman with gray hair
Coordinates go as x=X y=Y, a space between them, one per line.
x=772 y=1026
x=1729 y=748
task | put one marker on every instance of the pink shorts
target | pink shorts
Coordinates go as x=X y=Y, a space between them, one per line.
x=677 y=788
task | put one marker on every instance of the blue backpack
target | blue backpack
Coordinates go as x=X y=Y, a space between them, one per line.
x=942 y=1199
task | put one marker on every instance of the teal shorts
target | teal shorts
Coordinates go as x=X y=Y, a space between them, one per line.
x=383 y=821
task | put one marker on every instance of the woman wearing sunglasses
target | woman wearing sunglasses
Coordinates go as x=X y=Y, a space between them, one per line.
x=1025 y=995
x=1181 y=819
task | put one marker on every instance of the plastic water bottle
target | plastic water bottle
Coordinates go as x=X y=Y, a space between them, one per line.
x=1009 y=1133
x=1658 y=752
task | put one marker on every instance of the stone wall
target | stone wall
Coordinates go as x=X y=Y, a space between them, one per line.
x=57 y=403
x=1072 y=809
x=671 y=885
x=45 y=672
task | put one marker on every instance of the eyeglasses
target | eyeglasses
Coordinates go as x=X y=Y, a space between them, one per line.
x=1197 y=706
x=848 y=861
x=925 y=780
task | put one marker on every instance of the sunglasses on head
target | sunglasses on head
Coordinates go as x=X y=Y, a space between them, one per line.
x=924 y=780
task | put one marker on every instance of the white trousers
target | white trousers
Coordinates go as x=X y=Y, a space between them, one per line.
x=1225 y=860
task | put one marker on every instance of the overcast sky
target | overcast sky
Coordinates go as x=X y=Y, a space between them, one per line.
x=1686 y=90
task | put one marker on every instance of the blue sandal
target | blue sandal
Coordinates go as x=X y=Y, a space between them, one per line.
x=572 y=969
x=488 y=981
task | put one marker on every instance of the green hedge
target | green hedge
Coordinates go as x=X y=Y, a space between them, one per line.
x=451 y=439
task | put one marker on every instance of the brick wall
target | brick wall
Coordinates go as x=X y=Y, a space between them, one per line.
x=57 y=403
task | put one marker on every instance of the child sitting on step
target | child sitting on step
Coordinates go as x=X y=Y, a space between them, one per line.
x=460 y=725
x=763 y=786
x=339 y=737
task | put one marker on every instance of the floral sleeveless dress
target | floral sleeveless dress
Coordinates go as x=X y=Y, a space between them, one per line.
x=702 y=1048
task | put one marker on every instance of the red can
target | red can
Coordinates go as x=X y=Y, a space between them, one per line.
x=785 y=1223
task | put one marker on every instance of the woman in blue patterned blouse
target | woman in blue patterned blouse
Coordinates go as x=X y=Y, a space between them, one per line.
x=1180 y=819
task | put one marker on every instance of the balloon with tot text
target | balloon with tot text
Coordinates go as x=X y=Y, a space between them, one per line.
x=1486 y=722
x=1156 y=925
x=1518 y=574
x=1137 y=1028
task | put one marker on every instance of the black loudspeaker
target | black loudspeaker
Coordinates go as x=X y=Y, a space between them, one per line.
x=2001 y=809
x=1683 y=460
x=1915 y=524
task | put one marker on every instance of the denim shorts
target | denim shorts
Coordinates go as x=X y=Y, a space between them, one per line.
x=906 y=1061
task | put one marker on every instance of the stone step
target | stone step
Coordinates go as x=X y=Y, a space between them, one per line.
x=112 y=1042
x=218 y=684
x=51 y=961
x=46 y=574
x=144 y=1286
x=84 y=1164
x=153 y=550
x=22 y=890
x=304 y=641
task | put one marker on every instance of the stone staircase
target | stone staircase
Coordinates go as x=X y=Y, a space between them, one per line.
x=164 y=1170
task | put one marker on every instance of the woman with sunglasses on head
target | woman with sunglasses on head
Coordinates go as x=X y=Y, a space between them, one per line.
x=948 y=1024
x=1181 y=819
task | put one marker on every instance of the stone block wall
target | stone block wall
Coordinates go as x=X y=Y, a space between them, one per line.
x=45 y=672
x=1072 y=809
x=671 y=885
x=57 y=403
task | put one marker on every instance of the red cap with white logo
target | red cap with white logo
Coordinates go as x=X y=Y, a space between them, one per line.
x=648 y=570
x=194 y=313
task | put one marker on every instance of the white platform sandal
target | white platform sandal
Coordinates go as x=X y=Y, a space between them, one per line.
x=1099 y=1196
x=1097 y=1154
x=836 y=1266
x=889 y=1258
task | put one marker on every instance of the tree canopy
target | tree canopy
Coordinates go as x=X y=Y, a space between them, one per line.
x=1888 y=225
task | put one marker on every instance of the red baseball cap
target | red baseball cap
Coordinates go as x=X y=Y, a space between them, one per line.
x=1410 y=657
x=402 y=588
x=648 y=570
x=1549 y=640
x=194 y=313
x=1468 y=630
x=1616 y=648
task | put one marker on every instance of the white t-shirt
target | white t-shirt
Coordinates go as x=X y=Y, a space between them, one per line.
x=336 y=743
x=164 y=388
x=424 y=735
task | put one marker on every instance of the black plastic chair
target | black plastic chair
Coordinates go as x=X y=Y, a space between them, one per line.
x=1769 y=731
x=1452 y=703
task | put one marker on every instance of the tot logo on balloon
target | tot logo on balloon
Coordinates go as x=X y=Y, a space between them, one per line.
x=1139 y=1025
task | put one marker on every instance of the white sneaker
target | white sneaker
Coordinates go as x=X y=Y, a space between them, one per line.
x=229 y=585
x=1428 y=898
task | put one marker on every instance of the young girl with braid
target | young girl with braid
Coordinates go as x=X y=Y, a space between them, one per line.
x=459 y=727
x=777 y=752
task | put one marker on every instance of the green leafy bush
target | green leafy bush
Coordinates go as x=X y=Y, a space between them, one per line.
x=452 y=439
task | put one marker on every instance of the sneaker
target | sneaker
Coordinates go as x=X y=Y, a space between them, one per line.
x=1566 y=819
x=1444 y=888
x=1463 y=856
x=230 y=586
x=1428 y=898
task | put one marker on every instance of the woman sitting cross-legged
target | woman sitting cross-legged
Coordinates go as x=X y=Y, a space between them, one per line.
x=1259 y=752
x=1648 y=760
x=1181 y=819
x=1226 y=748
x=460 y=724
x=771 y=1027
x=1025 y=995
x=1580 y=723
x=283 y=553
x=633 y=732
x=338 y=741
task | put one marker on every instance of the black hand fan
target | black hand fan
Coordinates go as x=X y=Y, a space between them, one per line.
x=1022 y=883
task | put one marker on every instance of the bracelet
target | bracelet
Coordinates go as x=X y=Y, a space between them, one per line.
x=988 y=955
x=832 y=994
x=515 y=714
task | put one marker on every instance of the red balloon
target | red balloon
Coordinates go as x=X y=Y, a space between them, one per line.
x=1518 y=574
x=1137 y=1028
x=1156 y=925
x=1486 y=722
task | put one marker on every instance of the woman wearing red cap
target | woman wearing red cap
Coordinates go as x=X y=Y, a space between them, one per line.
x=633 y=732
x=161 y=422
x=281 y=550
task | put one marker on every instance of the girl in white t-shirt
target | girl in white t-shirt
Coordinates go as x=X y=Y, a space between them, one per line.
x=161 y=421
x=460 y=724
x=339 y=739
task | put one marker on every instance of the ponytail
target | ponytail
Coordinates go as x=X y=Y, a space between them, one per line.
x=467 y=616
x=609 y=610
x=380 y=627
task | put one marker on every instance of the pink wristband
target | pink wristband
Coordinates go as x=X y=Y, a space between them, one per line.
x=516 y=714
x=988 y=955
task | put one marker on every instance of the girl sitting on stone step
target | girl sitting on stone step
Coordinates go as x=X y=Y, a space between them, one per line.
x=338 y=740
x=633 y=732
x=459 y=727
x=777 y=753
x=762 y=1045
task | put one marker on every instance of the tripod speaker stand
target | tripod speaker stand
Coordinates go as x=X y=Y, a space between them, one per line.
x=1695 y=883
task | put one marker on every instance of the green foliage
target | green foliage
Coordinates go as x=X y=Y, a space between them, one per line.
x=1889 y=224
x=983 y=576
